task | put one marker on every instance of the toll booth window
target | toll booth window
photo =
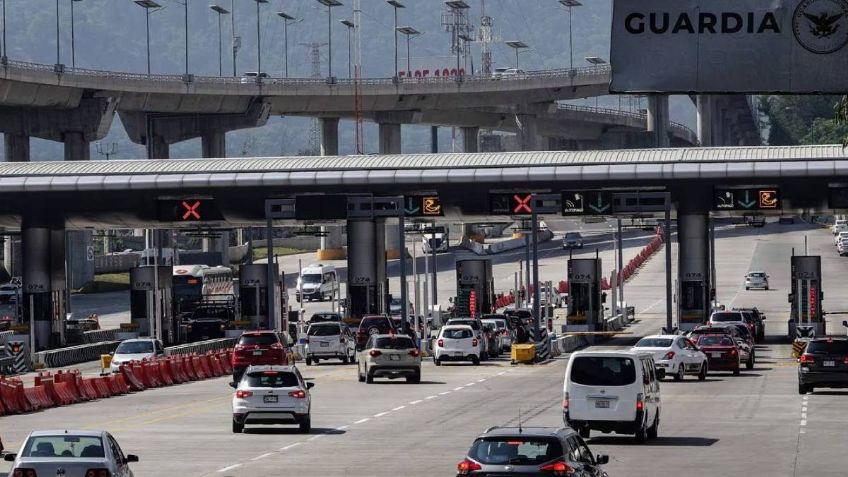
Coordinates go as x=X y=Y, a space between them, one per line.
x=254 y=301
x=138 y=304
x=584 y=298
x=692 y=296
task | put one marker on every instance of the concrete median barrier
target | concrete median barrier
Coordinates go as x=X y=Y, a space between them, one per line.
x=202 y=346
x=75 y=354
x=98 y=336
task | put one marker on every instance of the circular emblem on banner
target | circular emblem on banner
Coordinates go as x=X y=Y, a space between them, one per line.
x=821 y=26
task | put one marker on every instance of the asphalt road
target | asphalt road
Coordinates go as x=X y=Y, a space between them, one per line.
x=755 y=424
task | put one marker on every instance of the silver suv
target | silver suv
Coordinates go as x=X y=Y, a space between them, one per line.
x=756 y=280
x=531 y=451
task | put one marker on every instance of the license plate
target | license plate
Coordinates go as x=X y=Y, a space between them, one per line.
x=394 y=357
x=257 y=353
x=602 y=404
x=829 y=364
x=457 y=353
x=270 y=399
x=325 y=344
x=715 y=355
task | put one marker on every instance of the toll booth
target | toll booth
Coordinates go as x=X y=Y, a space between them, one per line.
x=253 y=297
x=585 y=295
x=806 y=318
x=366 y=278
x=151 y=295
x=475 y=288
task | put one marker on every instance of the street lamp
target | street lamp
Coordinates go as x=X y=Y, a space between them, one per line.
x=330 y=4
x=258 y=43
x=409 y=32
x=185 y=12
x=517 y=46
x=350 y=26
x=58 y=66
x=236 y=40
x=148 y=5
x=457 y=6
x=395 y=4
x=286 y=19
x=595 y=61
x=73 y=37
x=220 y=11
x=4 y=59
x=570 y=4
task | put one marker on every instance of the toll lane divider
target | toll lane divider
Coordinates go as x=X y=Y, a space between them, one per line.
x=69 y=387
x=98 y=336
x=57 y=358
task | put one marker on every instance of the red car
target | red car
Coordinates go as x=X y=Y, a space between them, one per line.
x=722 y=352
x=258 y=348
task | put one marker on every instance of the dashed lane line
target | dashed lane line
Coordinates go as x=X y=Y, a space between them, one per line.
x=399 y=408
x=416 y=402
x=365 y=419
x=381 y=414
x=260 y=457
x=229 y=468
x=290 y=446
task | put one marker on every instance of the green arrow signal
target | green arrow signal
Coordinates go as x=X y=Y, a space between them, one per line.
x=748 y=202
x=600 y=208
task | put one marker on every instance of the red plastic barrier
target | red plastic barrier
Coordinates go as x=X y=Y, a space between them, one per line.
x=226 y=362
x=88 y=389
x=120 y=383
x=215 y=365
x=38 y=398
x=66 y=392
x=151 y=372
x=188 y=367
x=199 y=371
x=130 y=378
x=8 y=394
x=101 y=389
x=175 y=371
x=179 y=369
x=69 y=382
x=165 y=372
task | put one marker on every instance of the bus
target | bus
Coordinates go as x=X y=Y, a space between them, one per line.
x=193 y=284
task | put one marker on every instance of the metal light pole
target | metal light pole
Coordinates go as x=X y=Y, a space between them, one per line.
x=185 y=9
x=73 y=37
x=595 y=61
x=570 y=4
x=58 y=52
x=286 y=19
x=258 y=43
x=409 y=32
x=5 y=58
x=350 y=26
x=233 y=31
x=395 y=4
x=148 y=5
x=330 y=4
x=220 y=11
x=517 y=46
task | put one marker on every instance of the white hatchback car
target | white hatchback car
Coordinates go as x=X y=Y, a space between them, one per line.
x=457 y=343
x=389 y=356
x=675 y=354
x=329 y=340
x=136 y=350
x=272 y=395
x=839 y=226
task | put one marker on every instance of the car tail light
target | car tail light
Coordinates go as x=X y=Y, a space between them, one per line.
x=24 y=473
x=440 y=343
x=565 y=402
x=467 y=466
x=223 y=327
x=414 y=353
x=640 y=404
x=188 y=328
x=299 y=394
x=558 y=468
x=733 y=352
x=374 y=353
x=845 y=360
x=277 y=346
x=474 y=342
x=669 y=355
x=243 y=394
x=98 y=473
x=808 y=359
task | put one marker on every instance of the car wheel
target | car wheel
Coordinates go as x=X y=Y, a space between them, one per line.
x=316 y=360
x=766 y=288
x=803 y=389
x=681 y=373
x=585 y=432
x=237 y=428
x=437 y=361
x=654 y=430
x=369 y=379
x=360 y=376
x=750 y=363
x=747 y=288
x=414 y=379
x=702 y=376
x=306 y=424
x=641 y=434
x=475 y=360
x=736 y=371
x=345 y=359
x=308 y=361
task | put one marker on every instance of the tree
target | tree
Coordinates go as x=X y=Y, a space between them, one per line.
x=801 y=119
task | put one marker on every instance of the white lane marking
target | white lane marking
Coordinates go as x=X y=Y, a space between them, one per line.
x=804 y=415
x=652 y=305
x=501 y=373
x=444 y=393
x=366 y=419
x=804 y=409
x=803 y=422
x=415 y=402
x=380 y=414
x=269 y=454
x=459 y=388
x=315 y=437
x=225 y=469
x=399 y=408
x=430 y=397
x=803 y=431
x=290 y=446
x=341 y=428
x=471 y=384
x=481 y=380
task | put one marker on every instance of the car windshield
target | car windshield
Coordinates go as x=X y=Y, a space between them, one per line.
x=323 y=330
x=320 y=317
x=311 y=278
x=397 y=342
x=64 y=446
x=654 y=343
x=517 y=450
x=472 y=323
x=724 y=317
x=574 y=235
x=272 y=379
x=603 y=371
x=757 y=275
x=837 y=347
x=715 y=340
x=134 y=347
x=457 y=334
x=258 y=339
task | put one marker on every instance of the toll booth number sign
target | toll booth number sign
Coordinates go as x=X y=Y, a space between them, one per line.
x=188 y=210
x=767 y=198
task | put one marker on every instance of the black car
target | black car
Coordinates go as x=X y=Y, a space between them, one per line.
x=754 y=318
x=824 y=364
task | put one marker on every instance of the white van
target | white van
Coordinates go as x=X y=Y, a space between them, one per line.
x=317 y=282
x=612 y=391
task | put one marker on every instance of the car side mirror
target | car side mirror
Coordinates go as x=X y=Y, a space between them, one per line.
x=233 y=384
x=310 y=385
x=131 y=458
x=602 y=459
x=10 y=457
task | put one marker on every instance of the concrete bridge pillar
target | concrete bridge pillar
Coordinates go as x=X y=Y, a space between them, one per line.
x=213 y=144
x=705 y=120
x=16 y=147
x=658 y=119
x=366 y=268
x=332 y=246
x=528 y=132
x=43 y=251
x=434 y=139
x=77 y=147
x=470 y=139
x=159 y=148
x=390 y=138
x=329 y=136
x=80 y=268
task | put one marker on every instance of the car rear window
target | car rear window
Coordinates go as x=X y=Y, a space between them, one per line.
x=66 y=446
x=654 y=343
x=322 y=317
x=472 y=323
x=323 y=330
x=722 y=317
x=258 y=339
x=457 y=334
x=838 y=347
x=519 y=450
x=715 y=340
x=134 y=347
x=380 y=323
x=272 y=379
x=757 y=275
x=398 y=342
x=603 y=371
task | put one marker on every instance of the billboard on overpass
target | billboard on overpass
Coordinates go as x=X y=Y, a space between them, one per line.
x=729 y=46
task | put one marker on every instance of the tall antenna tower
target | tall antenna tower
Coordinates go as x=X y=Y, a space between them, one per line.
x=357 y=81
x=486 y=38
x=314 y=144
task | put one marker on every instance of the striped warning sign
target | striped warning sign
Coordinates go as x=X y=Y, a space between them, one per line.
x=798 y=347
x=20 y=352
